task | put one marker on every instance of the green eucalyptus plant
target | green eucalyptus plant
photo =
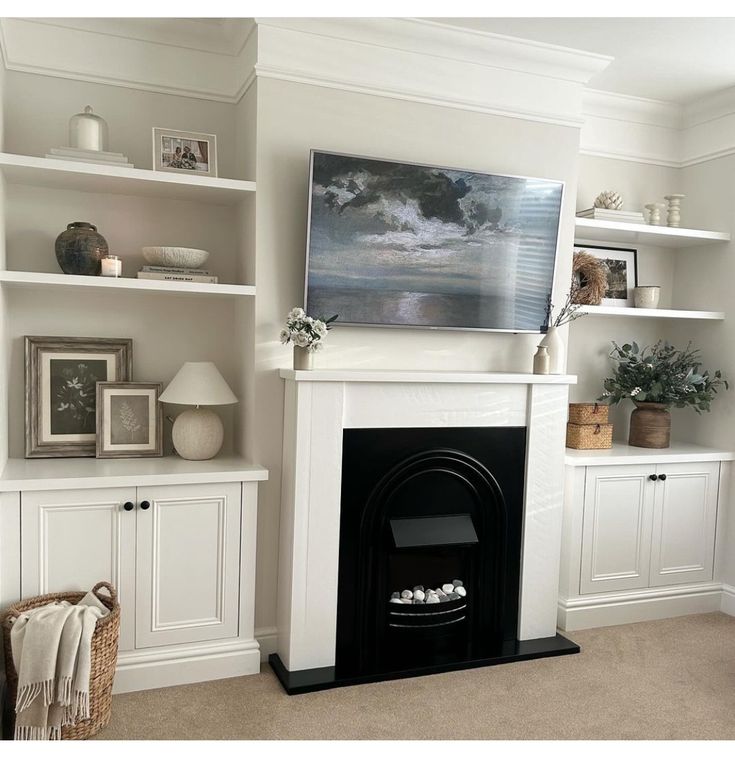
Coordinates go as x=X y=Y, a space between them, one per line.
x=661 y=374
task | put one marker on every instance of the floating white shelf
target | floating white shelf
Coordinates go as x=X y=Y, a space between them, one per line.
x=629 y=311
x=51 y=474
x=67 y=281
x=621 y=453
x=624 y=232
x=100 y=178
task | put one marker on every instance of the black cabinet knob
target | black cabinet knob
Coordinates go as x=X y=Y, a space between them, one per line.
x=128 y=506
x=144 y=504
x=662 y=477
x=654 y=476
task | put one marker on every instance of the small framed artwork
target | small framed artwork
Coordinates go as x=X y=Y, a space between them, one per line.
x=60 y=391
x=184 y=152
x=621 y=268
x=129 y=420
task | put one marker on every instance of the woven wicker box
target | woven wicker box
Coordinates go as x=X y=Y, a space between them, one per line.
x=589 y=436
x=588 y=413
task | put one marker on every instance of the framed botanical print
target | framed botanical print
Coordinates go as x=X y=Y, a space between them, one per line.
x=129 y=420
x=621 y=269
x=60 y=391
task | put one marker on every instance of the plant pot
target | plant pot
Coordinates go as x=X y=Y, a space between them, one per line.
x=650 y=426
x=80 y=249
x=302 y=359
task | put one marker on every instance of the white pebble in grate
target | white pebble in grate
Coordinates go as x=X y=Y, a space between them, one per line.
x=406 y=594
x=419 y=595
x=461 y=590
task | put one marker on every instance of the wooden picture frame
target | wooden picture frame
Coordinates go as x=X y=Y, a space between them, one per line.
x=60 y=391
x=175 y=150
x=129 y=420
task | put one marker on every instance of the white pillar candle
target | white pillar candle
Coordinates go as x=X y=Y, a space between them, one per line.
x=111 y=266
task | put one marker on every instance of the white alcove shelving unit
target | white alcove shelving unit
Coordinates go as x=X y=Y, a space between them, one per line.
x=654 y=238
x=169 y=322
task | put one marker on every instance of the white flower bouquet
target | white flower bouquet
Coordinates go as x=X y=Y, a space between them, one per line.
x=304 y=331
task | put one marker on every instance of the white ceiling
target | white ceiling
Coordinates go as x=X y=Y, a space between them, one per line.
x=678 y=60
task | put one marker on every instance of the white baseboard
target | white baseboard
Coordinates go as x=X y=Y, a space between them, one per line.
x=172 y=666
x=728 y=599
x=268 y=640
x=595 y=611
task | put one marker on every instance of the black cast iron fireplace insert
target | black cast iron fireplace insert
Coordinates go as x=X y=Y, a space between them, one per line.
x=423 y=508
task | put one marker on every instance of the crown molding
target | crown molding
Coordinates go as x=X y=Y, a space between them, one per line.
x=427 y=62
x=438 y=40
x=122 y=53
x=413 y=59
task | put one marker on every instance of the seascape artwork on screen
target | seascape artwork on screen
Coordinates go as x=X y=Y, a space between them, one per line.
x=410 y=245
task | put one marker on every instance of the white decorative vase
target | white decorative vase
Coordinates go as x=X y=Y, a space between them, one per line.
x=556 y=349
x=302 y=359
x=198 y=434
x=646 y=296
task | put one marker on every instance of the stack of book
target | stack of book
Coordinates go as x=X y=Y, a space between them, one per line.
x=610 y=215
x=176 y=274
x=91 y=156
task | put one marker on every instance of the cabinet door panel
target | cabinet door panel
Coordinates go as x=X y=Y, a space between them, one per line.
x=72 y=539
x=617 y=529
x=684 y=517
x=188 y=564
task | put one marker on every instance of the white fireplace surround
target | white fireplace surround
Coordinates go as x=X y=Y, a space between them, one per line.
x=320 y=404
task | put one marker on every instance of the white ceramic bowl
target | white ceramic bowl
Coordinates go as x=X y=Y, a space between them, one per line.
x=168 y=256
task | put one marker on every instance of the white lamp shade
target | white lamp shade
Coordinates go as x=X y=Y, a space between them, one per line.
x=200 y=384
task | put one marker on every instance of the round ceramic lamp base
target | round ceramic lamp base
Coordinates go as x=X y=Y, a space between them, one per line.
x=198 y=434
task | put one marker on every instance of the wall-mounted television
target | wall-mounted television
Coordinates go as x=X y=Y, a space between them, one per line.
x=408 y=245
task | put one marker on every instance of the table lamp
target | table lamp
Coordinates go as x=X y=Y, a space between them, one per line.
x=198 y=433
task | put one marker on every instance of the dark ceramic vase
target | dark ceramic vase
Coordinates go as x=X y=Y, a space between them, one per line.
x=80 y=249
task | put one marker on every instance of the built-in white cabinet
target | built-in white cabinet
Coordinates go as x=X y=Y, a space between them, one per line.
x=640 y=534
x=648 y=525
x=181 y=554
x=172 y=551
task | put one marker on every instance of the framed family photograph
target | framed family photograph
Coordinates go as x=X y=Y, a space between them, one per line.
x=184 y=152
x=129 y=420
x=60 y=391
x=621 y=270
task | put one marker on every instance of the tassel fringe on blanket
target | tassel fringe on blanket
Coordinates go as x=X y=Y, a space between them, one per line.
x=51 y=648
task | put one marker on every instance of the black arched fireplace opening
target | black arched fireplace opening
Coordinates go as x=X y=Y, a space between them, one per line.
x=426 y=508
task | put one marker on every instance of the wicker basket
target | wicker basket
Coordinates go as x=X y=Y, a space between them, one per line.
x=589 y=436
x=588 y=414
x=104 y=657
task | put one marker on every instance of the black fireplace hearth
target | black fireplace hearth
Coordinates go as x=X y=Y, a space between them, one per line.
x=429 y=558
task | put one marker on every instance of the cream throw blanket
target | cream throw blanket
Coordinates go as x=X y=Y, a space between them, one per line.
x=52 y=654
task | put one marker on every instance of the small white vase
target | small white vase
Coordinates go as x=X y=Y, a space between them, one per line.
x=556 y=349
x=302 y=359
x=541 y=361
x=646 y=296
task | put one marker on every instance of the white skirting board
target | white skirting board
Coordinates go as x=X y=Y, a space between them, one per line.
x=728 y=599
x=268 y=640
x=139 y=670
x=637 y=606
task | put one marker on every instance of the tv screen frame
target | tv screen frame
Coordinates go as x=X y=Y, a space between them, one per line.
x=560 y=184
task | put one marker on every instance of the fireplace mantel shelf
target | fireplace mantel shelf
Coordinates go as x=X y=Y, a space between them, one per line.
x=422 y=376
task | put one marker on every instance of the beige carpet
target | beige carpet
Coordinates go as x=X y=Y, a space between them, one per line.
x=668 y=679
